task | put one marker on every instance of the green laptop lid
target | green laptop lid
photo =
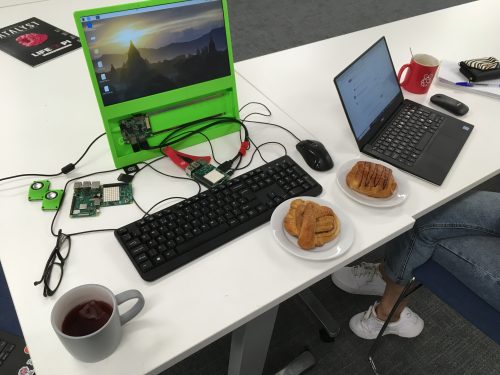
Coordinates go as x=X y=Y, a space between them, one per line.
x=156 y=66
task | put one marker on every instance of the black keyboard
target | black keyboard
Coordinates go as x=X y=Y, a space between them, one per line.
x=174 y=236
x=408 y=134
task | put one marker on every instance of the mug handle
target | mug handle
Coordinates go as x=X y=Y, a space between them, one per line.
x=134 y=310
x=401 y=72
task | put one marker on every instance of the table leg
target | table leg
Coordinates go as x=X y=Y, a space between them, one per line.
x=249 y=345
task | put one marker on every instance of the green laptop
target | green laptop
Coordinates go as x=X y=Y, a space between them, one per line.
x=159 y=68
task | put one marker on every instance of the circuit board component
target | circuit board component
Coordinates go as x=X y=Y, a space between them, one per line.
x=205 y=173
x=89 y=197
x=135 y=130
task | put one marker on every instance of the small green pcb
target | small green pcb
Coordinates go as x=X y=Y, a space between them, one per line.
x=38 y=190
x=89 y=197
x=206 y=174
x=52 y=200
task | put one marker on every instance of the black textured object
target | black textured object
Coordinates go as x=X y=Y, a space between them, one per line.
x=451 y=105
x=174 y=236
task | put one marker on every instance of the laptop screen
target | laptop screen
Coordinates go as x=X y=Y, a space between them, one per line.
x=367 y=87
x=145 y=51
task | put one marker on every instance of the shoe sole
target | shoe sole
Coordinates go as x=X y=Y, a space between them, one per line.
x=350 y=290
x=386 y=332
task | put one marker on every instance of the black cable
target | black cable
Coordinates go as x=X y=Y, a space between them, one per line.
x=269 y=113
x=167 y=141
x=139 y=207
x=187 y=124
x=226 y=166
x=62 y=200
x=180 y=137
x=148 y=164
x=272 y=124
x=211 y=147
x=30 y=174
x=163 y=200
x=177 y=177
x=66 y=169
x=255 y=151
x=88 y=148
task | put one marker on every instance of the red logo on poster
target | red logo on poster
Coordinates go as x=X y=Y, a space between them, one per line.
x=31 y=39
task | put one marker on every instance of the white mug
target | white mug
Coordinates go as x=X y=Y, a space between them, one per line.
x=97 y=345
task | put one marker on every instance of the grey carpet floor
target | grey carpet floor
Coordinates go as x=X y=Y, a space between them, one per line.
x=259 y=27
x=448 y=344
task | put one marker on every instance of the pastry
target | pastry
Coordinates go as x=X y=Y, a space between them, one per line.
x=313 y=224
x=372 y=179
x=293 y=219
x=308 y=227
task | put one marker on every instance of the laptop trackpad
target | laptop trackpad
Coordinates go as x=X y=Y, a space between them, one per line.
x=441 y=152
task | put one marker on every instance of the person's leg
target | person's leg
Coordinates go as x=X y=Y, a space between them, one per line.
x=475 y=262
x=473 y=214
x=391 y=294
x=476 y=213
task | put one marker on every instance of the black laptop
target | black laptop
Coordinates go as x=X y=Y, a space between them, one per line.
x=408 y=135
x=14 y=357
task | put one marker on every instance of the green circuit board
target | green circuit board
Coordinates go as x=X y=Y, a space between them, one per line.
x=89 y=197
x=135 y=131
x=205 y=173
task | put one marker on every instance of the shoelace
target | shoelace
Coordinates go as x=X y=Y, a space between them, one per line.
x=364 y=269
x=368 y=312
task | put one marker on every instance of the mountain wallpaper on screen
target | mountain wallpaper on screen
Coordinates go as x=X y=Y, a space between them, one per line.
x=149 y=53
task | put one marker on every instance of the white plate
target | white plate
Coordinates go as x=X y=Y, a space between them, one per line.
x=398 y=197
x=330 y=250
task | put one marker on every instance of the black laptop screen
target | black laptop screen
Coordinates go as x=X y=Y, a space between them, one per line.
x=367 y=87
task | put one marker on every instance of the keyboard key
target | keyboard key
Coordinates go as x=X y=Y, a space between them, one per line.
x=423 y=141
x=146 y=266
x=215 y=232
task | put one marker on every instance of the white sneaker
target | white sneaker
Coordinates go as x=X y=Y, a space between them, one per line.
x=367 y=326
x=364 y=278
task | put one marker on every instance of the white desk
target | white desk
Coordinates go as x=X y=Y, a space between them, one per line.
x=49 y=116
x=300 y=82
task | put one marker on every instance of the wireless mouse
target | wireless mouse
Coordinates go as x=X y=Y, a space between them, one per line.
x=315 y=155
x=450 y=104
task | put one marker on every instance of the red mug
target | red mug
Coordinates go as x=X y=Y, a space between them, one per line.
x=421 y=70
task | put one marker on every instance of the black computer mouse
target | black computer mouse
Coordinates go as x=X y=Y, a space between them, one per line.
x=452 y=105
x=315 y=155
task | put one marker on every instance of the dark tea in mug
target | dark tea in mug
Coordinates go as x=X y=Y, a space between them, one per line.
x=86 y=318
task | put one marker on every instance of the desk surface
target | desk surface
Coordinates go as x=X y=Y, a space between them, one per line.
x=49 y=116
x=300 y=82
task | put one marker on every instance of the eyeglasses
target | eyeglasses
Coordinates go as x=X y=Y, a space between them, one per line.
x=53 y=271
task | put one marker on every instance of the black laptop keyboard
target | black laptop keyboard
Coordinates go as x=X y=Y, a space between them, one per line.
x=408 y=134
x=6 y=349
x=174 y=236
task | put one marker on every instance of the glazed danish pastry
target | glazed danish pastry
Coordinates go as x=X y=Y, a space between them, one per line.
x=372 y=179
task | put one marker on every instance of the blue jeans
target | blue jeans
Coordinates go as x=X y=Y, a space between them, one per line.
x=463 y=236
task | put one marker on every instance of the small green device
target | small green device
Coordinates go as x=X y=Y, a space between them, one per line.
x=52 y=200
x=205 y=173
x=89 y=197
x=38 y=189
x=157 y=65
